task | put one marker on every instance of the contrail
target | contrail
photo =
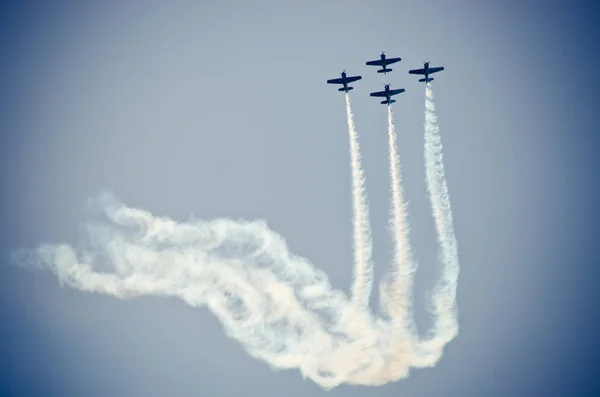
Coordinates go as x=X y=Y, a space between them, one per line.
x=397 y=292
x=358 y=316
x=443 y=302
x=363 y=268
x=278 y=305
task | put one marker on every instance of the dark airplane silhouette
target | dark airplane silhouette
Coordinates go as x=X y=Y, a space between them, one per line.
x=426 y=71
x=383 y=62
x=387 y=93
x=345 y=81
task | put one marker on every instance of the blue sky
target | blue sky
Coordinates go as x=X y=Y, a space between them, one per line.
x=222 y=110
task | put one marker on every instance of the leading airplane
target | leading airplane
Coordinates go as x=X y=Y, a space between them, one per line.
x=426 y=71
x=383 y=62
x=387 y=93
x=345 y=81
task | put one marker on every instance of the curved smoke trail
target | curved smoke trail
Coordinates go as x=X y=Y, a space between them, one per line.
x=280 y=307
x=443 y=302
x=276 y=304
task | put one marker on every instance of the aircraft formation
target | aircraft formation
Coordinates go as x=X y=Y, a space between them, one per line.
x=387 y=93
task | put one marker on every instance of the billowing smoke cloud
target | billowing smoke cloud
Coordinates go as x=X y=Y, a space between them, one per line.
x=279 y=306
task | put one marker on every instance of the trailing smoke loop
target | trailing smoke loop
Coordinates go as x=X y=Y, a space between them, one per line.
x=279 y=306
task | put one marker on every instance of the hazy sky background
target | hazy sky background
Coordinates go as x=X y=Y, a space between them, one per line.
x=221 y=109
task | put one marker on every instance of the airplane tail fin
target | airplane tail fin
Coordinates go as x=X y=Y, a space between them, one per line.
x=427 y=80
x=343 y=89
x=384 y=70
x=386 y=102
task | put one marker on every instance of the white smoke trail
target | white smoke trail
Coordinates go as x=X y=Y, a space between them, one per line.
x=277 y=305
x=443 y=302
x=397 y=292
x=363 y=267
x=361 y=324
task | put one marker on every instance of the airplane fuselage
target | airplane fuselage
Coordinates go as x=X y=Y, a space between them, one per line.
x=387 y=92
x=384 y=68
x=345 y=84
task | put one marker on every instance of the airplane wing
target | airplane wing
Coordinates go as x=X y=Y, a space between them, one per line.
x=380 y=93
x=353 y=78
x=434 y=70
x=336 y=81
x=375 y=63
x=389 y=61
x=396 y=92
x=418 y=71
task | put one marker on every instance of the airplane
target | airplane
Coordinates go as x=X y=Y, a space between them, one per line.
x=387 y=93
x=344 y=80
x=426 y=71
x=384 y=62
